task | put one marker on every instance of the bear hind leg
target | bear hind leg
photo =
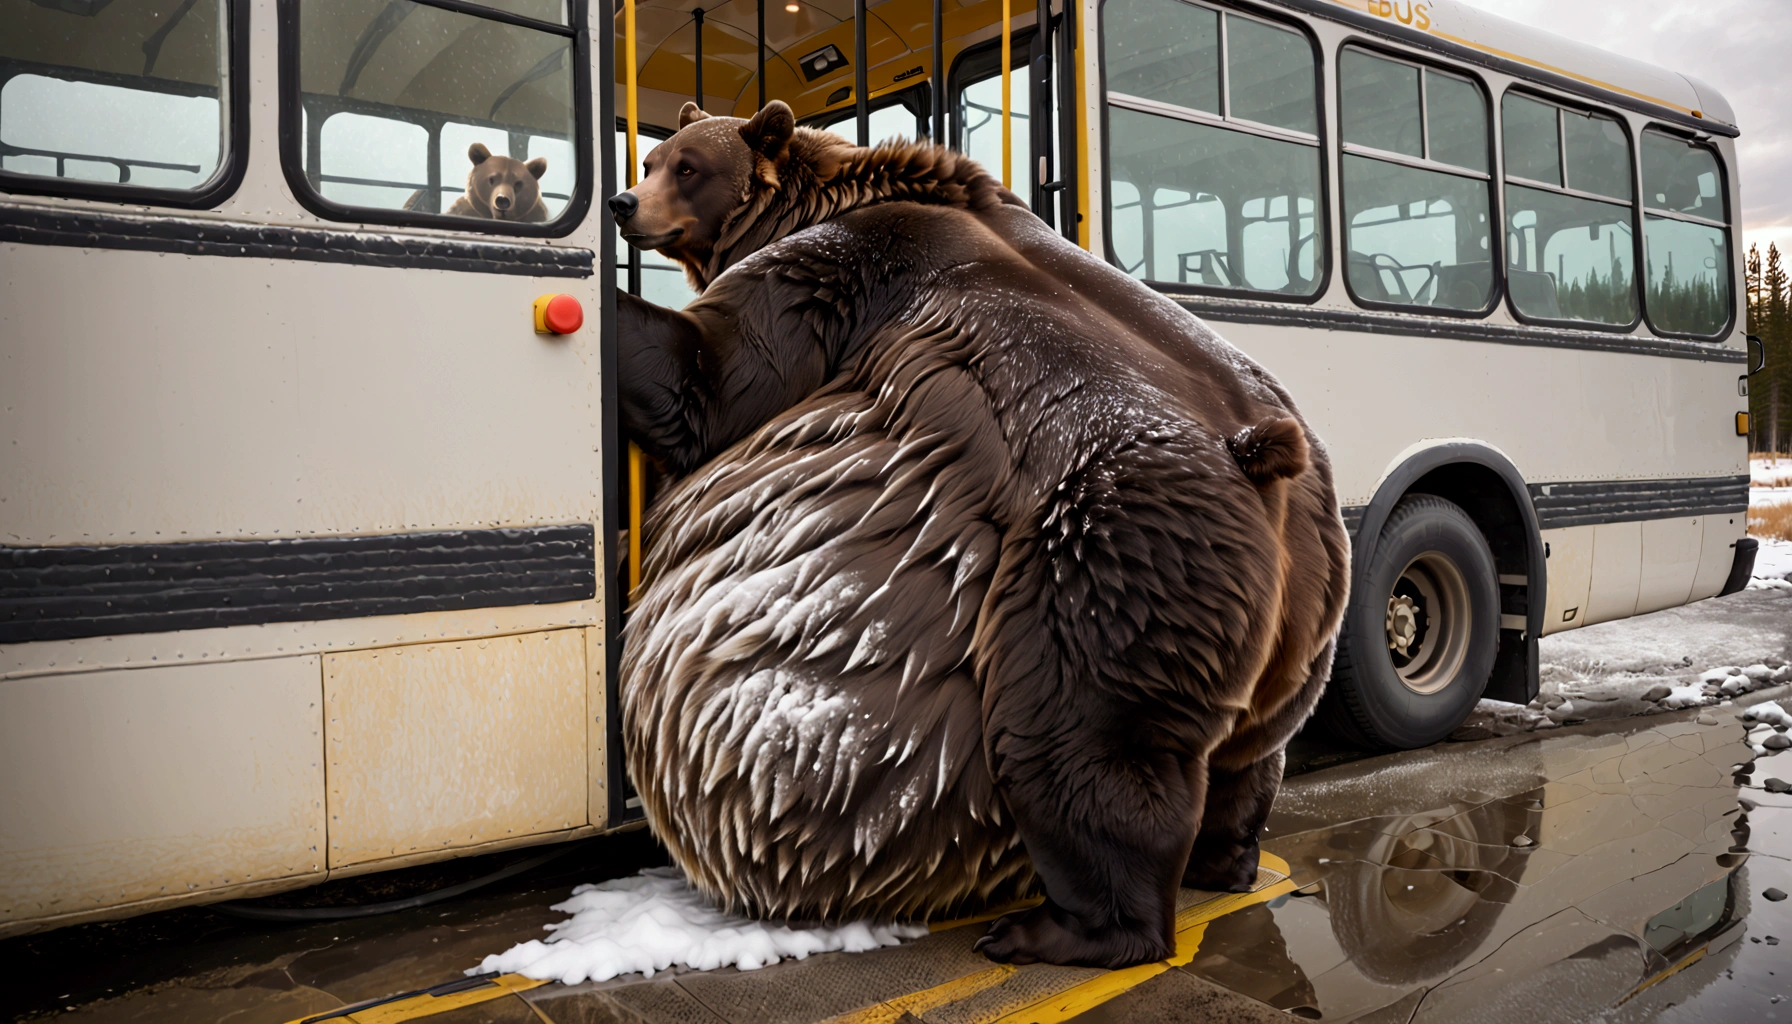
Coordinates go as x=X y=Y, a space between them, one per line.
x=1110 y=866
x=1244 y=775
x=1225 y=853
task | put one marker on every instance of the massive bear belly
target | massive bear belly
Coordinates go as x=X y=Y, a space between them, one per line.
x=799 y=707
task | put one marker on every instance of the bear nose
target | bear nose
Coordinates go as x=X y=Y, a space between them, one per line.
x=502 y=202
x=624 y=204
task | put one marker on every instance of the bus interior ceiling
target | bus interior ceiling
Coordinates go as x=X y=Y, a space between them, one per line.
x=799 y=67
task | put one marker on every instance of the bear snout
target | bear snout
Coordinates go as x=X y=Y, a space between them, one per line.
x=623 y=206
x=501 y=199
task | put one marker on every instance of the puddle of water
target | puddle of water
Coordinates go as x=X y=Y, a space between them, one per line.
x=1607 y=873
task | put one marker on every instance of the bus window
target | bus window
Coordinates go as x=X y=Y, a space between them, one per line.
x=980 y=124
x=402 y=102
x=126 y=93
x=889 y=123
x=662 y=281
x=1686 y=237
x=1417 y=195
x=1570 y=250
x=1214 y=159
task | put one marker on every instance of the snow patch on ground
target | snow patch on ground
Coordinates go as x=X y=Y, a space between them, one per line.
x=1770 y=473
x=1773 y=564
x=655 y=921
x=1703 y=654
x=1768 y=713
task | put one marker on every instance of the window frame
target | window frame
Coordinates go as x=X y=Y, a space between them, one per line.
x=1495 y=187
x=907 y=97
x=1531 y=92
x=292 y=129
x=1728 y=227
x=233 y=157
x=1322 y=213
x=982 y=62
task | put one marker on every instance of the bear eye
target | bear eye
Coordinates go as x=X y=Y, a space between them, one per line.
x=493 y=180
x=686 y=171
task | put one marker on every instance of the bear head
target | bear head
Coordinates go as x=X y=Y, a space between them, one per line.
x=700 y=178
x=505 y=188
x=722 y=188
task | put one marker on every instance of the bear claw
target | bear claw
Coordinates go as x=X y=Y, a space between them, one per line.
x=1038 y=936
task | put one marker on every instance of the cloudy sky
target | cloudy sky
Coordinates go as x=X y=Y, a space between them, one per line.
x=1741 y=47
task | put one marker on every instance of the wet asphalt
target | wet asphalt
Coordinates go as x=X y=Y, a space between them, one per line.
x=1618 y=870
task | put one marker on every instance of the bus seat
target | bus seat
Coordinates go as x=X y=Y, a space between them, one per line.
x=1365 y=279
x=1462 y=286
x=1533 y=293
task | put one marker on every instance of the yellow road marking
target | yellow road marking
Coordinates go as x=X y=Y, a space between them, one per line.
x=1191 y=927
x=426 y=1005
x=917 y=1003
x=1694 y=957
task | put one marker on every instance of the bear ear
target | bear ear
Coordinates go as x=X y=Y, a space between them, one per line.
x=538 y=166
x=690 y=113
x=478 y=153
x=768 y=133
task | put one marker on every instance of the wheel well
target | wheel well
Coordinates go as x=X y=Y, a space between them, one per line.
x=1489 y=502
x=1490 y=489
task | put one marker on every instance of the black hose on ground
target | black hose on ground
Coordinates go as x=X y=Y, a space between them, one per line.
x=240 y=909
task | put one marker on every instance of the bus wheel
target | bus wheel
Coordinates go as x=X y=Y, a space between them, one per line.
x=1419 y=638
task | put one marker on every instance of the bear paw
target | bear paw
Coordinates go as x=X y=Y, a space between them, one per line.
x=1231 y=870
x=1040 y=936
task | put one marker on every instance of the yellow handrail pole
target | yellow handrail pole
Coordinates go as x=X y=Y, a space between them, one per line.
x=1007 y=103
x=632 y=110
x=637 y=465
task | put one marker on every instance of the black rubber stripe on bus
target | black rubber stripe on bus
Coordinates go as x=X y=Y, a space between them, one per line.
x=1245 y=311
x=193 y=236
x=64 y=593
x=1589 y=502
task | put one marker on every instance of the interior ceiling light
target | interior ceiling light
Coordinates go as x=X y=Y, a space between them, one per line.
x=793 y=8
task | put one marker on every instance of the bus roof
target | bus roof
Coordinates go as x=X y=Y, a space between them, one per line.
x=1470 y=34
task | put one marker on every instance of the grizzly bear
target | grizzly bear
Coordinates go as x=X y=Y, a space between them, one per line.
x=986 y=569
x=502 y=188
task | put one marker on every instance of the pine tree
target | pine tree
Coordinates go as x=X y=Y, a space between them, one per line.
x=1755 y=325
x=1770 y=392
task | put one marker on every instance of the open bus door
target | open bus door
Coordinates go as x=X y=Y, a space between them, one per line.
x=996 y=85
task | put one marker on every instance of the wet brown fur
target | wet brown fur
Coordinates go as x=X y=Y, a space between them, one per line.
x=988 y=568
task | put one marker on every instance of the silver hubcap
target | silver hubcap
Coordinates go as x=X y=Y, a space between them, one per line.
x=1428 y=623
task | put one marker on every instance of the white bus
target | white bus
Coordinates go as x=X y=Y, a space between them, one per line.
x=309 y=535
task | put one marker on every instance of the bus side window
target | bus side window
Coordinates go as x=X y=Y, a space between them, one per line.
x=1416 y=188
x=888 y=123
x=980 y=123
x=1213 y=148
x=127 y=93
x=437 y=113
x=1686 y=237
x=1571 y=252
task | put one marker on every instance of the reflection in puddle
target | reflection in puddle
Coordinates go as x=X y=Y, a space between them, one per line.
x=1559 y=877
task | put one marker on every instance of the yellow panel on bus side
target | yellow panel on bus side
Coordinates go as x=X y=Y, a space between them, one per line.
x=148 y=785
x=1617 y=571
x=439 y=746
x=1570 y=575
x=1670 y=560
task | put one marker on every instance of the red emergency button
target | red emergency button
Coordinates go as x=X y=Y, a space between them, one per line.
x=558 y=314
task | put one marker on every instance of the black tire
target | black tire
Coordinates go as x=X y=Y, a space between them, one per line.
x=1431 y=554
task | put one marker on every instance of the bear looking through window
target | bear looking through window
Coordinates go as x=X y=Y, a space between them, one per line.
x=502 y=188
